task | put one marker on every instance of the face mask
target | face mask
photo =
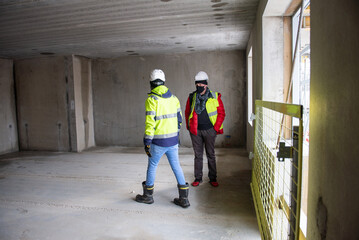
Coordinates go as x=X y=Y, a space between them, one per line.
x=200 y=89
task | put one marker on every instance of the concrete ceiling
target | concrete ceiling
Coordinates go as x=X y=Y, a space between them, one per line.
x=114 y=28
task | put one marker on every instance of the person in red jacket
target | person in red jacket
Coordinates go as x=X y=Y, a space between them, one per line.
x=204 y=120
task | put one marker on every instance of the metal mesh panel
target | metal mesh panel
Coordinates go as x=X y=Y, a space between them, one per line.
x=276 y=174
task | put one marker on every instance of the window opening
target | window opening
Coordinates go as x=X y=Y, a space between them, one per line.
x=301 y=92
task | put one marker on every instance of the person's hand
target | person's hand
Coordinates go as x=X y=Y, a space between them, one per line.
x=147 y=150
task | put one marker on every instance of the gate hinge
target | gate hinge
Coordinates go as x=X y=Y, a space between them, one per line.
x=284 y=152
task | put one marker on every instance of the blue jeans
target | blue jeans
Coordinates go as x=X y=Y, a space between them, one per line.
x=172 y=156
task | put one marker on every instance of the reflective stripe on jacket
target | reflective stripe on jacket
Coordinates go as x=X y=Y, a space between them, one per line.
x=215 y=110
x=163 y=118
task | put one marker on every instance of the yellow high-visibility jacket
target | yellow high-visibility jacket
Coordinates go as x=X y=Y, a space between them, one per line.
x=163 y=118
x=214 y=108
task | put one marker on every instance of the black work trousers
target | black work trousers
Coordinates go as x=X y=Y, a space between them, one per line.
x=204 y=138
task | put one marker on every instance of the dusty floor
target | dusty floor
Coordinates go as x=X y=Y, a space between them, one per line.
x=90 y=195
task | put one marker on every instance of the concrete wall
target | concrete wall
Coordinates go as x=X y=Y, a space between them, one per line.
x=272 y=78
x=121 y=85
x=8 y=126
x=83 y=103
x=333 y=210
x=256 y=43
x=42 y=104
x=55 y=103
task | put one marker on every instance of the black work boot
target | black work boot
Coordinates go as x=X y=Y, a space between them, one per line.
x=147 y=194
x=183 y=196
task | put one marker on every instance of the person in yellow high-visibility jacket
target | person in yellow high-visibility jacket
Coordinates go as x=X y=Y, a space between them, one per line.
x=204 y=120
x=163 y=122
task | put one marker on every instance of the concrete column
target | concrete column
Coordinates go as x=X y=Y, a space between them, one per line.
x=83 y=103
x=273 y=59
x=70 y=103
x=333 y=210
x=8 y=125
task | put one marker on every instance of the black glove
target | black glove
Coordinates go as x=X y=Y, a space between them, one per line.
x=147 y=150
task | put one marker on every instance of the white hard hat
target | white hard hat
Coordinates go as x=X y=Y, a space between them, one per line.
x=201 y=76
x=157 y=74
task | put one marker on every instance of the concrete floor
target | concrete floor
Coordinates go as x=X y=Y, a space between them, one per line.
x=90 y=195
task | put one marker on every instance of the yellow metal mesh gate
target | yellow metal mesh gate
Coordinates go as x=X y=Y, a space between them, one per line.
x=277 y=166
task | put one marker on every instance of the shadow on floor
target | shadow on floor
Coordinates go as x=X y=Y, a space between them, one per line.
x=233 y=196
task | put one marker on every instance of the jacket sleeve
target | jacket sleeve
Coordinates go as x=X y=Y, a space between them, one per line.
x=220 y=114
x=151 y=106
x=187 y=112
x=179 y=114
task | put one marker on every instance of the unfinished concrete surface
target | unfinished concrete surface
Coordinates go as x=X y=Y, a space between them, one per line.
x=8 y=125
x=334 y=103
x=54 y=103
x=41 y=104
x=120 y=88
x=83 y=103
x=106 y=28
x=90 y=195
x=61 y=109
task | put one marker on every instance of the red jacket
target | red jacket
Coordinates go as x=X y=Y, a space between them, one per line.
x=194 y=120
